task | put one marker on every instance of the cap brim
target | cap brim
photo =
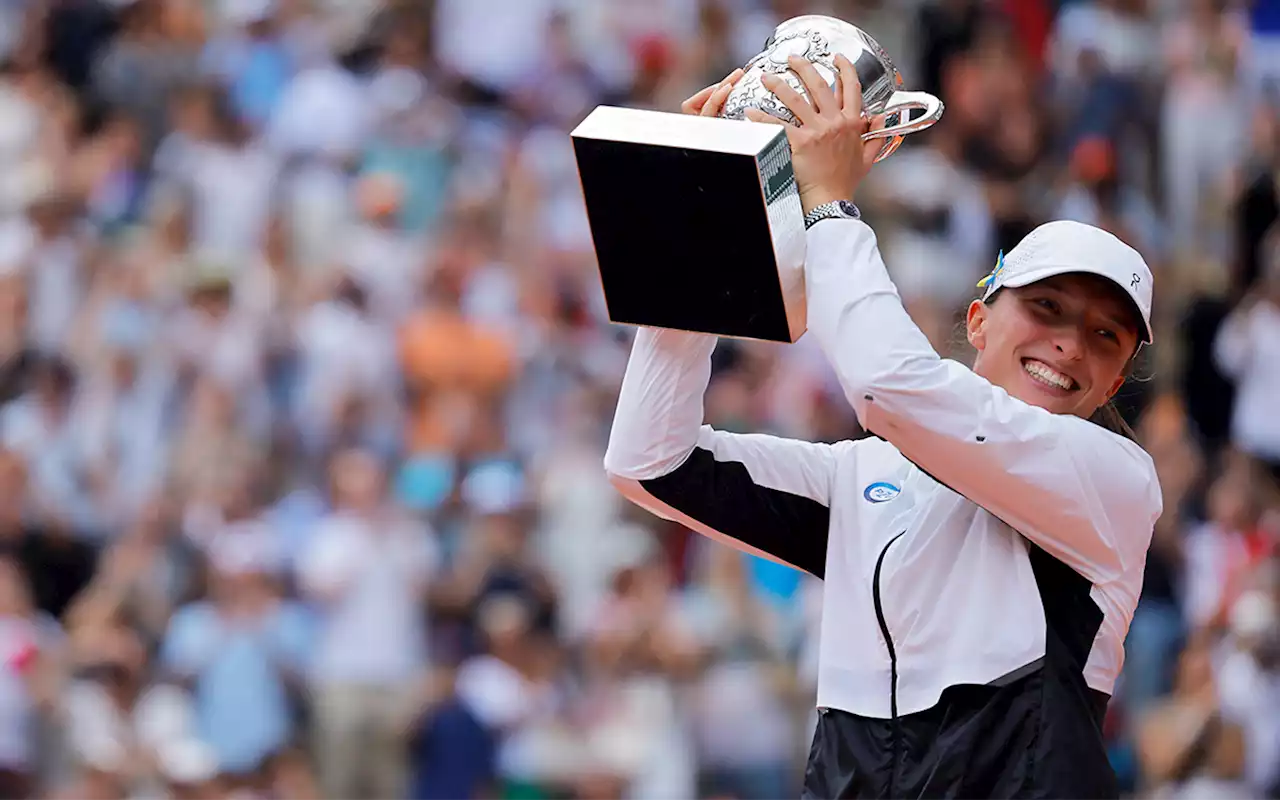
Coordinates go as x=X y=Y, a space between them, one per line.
x=1033 y=276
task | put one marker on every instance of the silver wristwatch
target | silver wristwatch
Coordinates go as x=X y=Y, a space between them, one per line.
x=836 y=209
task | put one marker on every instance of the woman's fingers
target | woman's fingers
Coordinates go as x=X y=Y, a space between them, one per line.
x=756 y=115
x=695 y=103
x=820 y=94
x=851 y=87
x=698 y=102
x=874 y=146
x=804 y=111
x=715 y=104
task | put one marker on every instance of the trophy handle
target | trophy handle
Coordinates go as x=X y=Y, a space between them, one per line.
x=900 y=103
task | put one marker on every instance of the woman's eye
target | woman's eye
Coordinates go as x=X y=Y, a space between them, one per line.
x=1046 y=304
x=1109 y=335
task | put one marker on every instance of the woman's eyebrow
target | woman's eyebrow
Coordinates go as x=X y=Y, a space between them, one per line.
x=1119 y=320
x=1115 y=317
x=1120 y=317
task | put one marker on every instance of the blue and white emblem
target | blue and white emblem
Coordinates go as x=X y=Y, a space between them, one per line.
x=880 y=492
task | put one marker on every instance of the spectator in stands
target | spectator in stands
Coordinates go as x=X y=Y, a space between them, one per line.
x=367 y=569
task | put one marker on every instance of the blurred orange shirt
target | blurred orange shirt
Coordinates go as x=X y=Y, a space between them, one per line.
x=452 y=368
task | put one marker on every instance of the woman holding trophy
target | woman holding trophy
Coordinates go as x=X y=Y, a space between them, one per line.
x=983 y=551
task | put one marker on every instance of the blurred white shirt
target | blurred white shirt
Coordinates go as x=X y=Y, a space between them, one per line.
x=1127 y=45
x=231 y=194
x=57 y=291
x=1249 y=695
x=19 y=131
x=228 y=348
x=1213 y=557
x=582 y=541
x=369 y=582
x=325 y=111
x=20 y=643
x=546 y=154
x=343 y=353
x=938 y=264
x=389 y=264
x=494 y=43
x=1248 y=350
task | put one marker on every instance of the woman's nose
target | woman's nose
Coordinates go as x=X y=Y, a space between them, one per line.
x=1067 y=342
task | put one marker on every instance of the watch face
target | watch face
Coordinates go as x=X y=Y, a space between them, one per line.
x=835 y=209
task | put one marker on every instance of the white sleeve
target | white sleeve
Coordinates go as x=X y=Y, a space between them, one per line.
x=760 y=494
x=1087 y=496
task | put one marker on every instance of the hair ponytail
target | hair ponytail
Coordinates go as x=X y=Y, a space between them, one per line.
x=1109 y=417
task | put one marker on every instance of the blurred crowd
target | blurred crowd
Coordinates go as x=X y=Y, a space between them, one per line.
x=306 y=376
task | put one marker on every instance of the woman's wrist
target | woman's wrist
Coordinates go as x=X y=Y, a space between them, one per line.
x=812 y=198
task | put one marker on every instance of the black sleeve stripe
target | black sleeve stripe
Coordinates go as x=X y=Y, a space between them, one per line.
x=722 y=495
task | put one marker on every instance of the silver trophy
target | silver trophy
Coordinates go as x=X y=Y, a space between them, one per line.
x=696 y=221
x=819 y=40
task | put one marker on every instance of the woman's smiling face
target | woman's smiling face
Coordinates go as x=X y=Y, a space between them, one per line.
x=1062 y=343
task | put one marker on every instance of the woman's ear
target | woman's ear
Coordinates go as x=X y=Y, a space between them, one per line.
x=976 y=325
x=1115 y=387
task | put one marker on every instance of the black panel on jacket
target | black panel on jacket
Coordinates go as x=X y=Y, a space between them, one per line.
x=1038 y=735
x=722 y=495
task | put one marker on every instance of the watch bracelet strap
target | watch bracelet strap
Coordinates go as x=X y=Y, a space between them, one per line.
x=831 y=210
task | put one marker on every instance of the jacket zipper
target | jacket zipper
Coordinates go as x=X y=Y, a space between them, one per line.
x=893 y=665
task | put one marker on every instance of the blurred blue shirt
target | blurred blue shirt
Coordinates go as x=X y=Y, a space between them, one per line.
x=242 y=704
x=255 y=70
x=1264 y=17
x=425 y=170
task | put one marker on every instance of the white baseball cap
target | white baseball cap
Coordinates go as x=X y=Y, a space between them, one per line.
x=1056 y=248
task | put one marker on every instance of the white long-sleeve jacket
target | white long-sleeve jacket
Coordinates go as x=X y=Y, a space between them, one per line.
x=970 y=539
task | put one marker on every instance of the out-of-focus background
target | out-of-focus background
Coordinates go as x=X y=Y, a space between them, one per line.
x=305 y=381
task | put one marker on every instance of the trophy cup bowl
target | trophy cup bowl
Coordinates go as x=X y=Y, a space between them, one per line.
x=819 y=39
x=697 y=221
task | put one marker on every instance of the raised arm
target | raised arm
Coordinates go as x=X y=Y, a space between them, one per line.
x=1087 y=496
x=759 y=494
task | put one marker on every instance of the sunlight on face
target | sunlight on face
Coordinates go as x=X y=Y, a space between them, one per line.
x=1062 y=343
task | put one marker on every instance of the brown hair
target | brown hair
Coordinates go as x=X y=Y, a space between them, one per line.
x=1109 y=417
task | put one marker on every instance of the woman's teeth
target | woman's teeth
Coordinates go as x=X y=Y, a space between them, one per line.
x=1048 y=375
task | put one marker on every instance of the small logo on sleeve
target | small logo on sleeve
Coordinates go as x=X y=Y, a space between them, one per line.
x=880 y=492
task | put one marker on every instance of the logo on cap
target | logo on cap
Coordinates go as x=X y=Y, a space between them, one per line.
x=995 y=272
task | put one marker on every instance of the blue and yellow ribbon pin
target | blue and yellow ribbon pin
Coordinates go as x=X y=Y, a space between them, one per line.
x=991 y=276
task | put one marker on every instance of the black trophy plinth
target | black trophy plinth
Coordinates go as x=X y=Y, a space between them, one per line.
x=696 y=222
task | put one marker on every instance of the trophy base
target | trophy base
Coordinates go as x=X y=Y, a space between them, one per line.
x=696 y=222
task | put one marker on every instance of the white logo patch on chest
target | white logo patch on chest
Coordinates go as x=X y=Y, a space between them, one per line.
x=880 y=492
